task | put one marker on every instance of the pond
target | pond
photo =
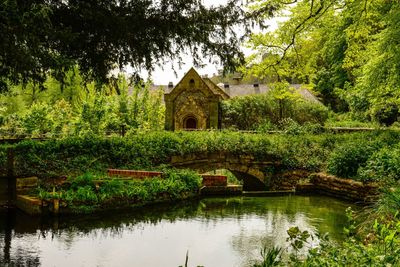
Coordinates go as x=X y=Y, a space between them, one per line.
x=213 y=231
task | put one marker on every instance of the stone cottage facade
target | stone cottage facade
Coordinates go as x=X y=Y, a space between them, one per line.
x=194 y=103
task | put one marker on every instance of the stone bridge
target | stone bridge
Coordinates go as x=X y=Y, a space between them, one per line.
x=254 y=174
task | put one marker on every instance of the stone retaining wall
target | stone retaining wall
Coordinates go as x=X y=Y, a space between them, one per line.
x=344 y=188
x=287 y=180
x=28 y=204
x=306 y=182
x=25 y=184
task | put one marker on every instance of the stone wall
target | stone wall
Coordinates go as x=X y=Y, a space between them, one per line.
x=344 y=188
x=303 y=181
x=287 y=180
x=194 y=98
x=191 y=103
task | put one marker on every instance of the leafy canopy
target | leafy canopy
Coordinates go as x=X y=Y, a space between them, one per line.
x=347 y=50
x=39 y=36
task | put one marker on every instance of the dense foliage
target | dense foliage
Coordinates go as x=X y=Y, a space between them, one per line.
x=383 y=164
x=78 y=110
x=269 y=110
x=366 y=158
x=139 y=150
x=348 y=51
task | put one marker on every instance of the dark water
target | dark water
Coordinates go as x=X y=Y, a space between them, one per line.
x=215 y=232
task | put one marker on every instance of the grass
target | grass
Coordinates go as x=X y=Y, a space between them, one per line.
x=85 y=194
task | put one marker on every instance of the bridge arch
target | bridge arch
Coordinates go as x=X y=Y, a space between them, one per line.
x=245 y=167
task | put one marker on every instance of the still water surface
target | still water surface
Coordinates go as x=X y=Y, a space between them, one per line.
x=215 y=232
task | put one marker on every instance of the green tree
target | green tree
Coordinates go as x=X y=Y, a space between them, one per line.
x=283 y=96
x=39 y=36
x=92 y=116
x=62 y=117
x=339 y=48
x=38 y=120
x=379 y=81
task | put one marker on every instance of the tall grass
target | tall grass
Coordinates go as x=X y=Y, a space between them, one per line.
x=86 y=190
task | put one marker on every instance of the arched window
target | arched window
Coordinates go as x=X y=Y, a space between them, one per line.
x=191 y=83
x=190 y=123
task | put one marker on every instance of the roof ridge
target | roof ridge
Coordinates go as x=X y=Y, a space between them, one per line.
x=215 y=88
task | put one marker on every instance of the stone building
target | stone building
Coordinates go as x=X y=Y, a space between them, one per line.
x=194 y=103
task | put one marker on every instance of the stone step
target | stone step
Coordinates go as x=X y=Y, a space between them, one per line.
x=228 y=190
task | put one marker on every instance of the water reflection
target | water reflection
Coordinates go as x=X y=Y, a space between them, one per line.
x=216 y=232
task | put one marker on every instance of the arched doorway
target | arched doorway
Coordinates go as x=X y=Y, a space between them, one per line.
x=190 y=123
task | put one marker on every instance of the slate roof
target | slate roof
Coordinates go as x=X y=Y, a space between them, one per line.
x=247 y=89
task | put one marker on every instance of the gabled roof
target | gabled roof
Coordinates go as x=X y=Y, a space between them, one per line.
x=212 y=87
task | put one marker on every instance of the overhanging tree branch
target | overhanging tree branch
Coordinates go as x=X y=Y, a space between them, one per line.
x=39 y=36
x=321 y=10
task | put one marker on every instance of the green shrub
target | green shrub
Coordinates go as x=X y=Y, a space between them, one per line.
x=38 y=119
x=12 y=125
x=352 y=154
x=349 y=120
x=386 y=114
x=388 y=203
x=313 y=128
x=347 y=158
x=190 y=178
x=112 y=188
x=266 y=126
x=311 y=112
x=254 y=112
x=85 y=180
x=383 y=165
x=3 y=159
x=290 y=126
x=86 y=195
